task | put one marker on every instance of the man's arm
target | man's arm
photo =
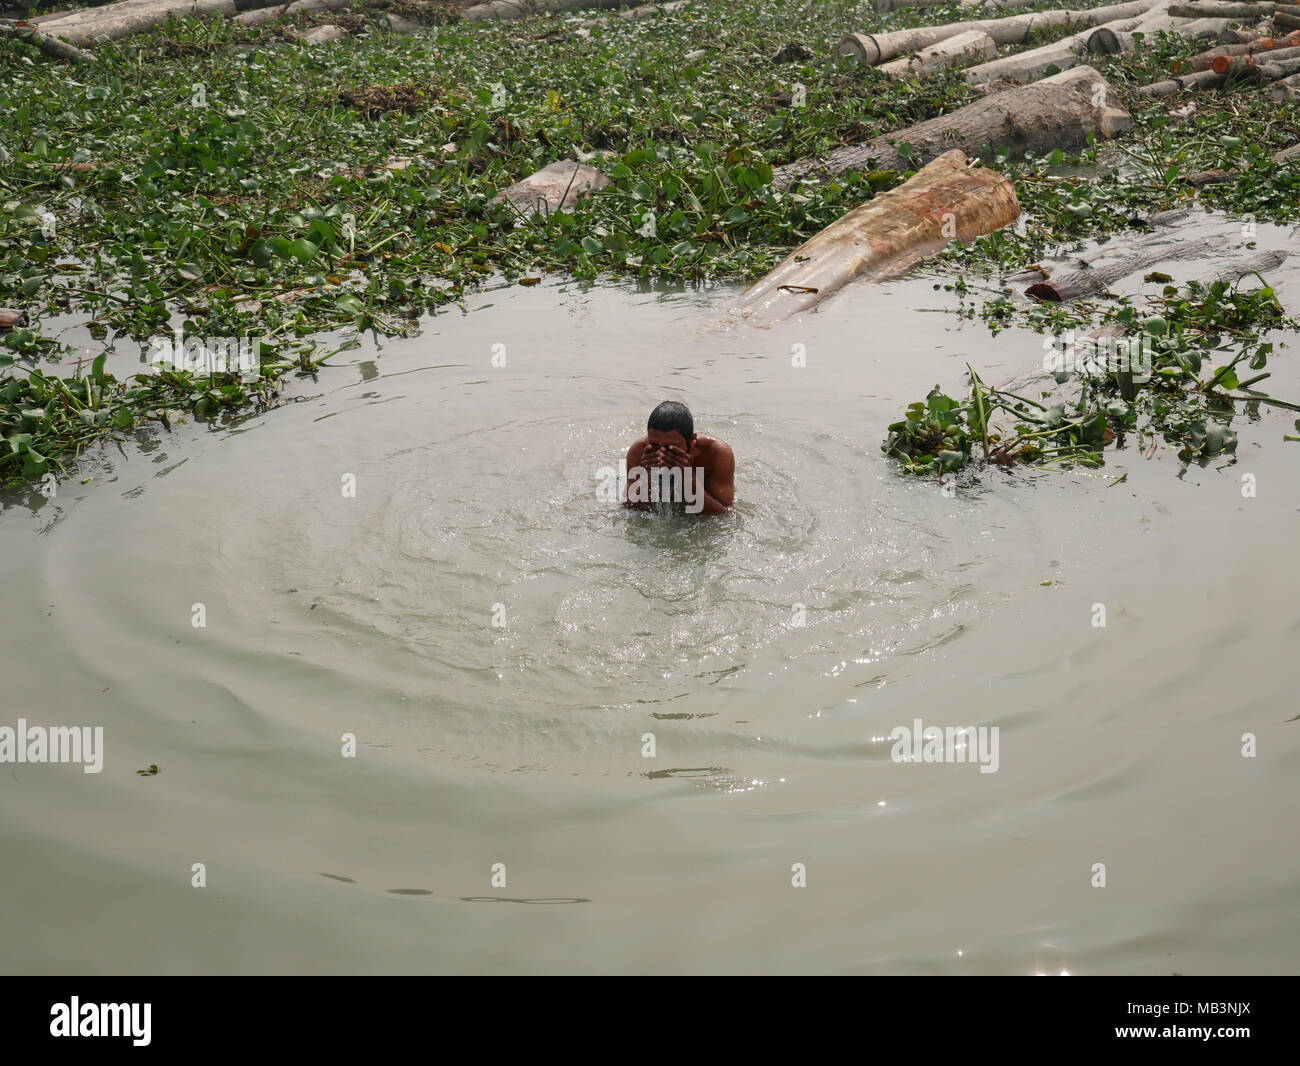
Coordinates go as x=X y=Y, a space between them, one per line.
x=636 y=456
x=720 y=480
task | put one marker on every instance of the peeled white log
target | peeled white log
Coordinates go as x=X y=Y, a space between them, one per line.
x=874 y=49
x=947 y=200
x=127 y=17
x=1213 y=29
x=1057 y=112
x=945 y=54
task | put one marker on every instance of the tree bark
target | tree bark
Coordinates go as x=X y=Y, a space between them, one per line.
x=874 y=49
x=1215 y=9
x=1095 y=281
x=1286 y=89
x=1239 y=268
x=943 y=55
x=947 y=200
x=1280 y=64
x=1057 y=112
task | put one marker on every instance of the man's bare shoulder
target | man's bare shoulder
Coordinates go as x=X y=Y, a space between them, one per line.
x=711 y=447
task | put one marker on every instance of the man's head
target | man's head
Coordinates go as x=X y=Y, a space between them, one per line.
x=671 y=423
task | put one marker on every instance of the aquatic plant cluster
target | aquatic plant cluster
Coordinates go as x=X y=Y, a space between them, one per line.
x=234 y=182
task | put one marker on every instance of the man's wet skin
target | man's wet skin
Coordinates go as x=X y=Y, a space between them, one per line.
x=705 y=465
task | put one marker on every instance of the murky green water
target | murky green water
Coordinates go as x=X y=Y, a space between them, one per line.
x=477 y=501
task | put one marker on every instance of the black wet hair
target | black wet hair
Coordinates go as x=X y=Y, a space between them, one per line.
x=672 y=417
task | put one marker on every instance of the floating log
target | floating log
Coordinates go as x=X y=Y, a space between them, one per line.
x=127 y=17
x=552 y=188
x=51 y=46
x=892 y=5
x=1239 y=268
x=947 y=53
x=1213 y=9
x=1096 y=281
x=947 y=200
x=514 y=9
x=1057 y=112
x=266 y=14
x=874 y=49
x=9 y=318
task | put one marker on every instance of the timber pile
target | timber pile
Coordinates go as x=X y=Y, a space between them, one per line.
x=874 y=49
x=1057 y=112
x=948 y=200
x=946 y=53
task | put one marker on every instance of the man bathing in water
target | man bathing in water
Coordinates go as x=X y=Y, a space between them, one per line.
x=674 y=462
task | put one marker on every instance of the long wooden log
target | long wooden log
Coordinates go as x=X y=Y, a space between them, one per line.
x=1286 y=22
x=1097 y=280
x=1249 y=65
x=1205 y=60
x=1208 y=29
x=1215 y=9
x=945 y=54
x=128 y=17
x=51 y=46
x=1286 y=155
x=1276 y=67
x=1035 y=62
x=1236 y=269
x=1107 y=40
x=1057 y=112
x=514 y=9
x=883 y=6
x=1198 y=82
x=947 y=200
x=296 y=7
x=874 y=49
x=1286 y=89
